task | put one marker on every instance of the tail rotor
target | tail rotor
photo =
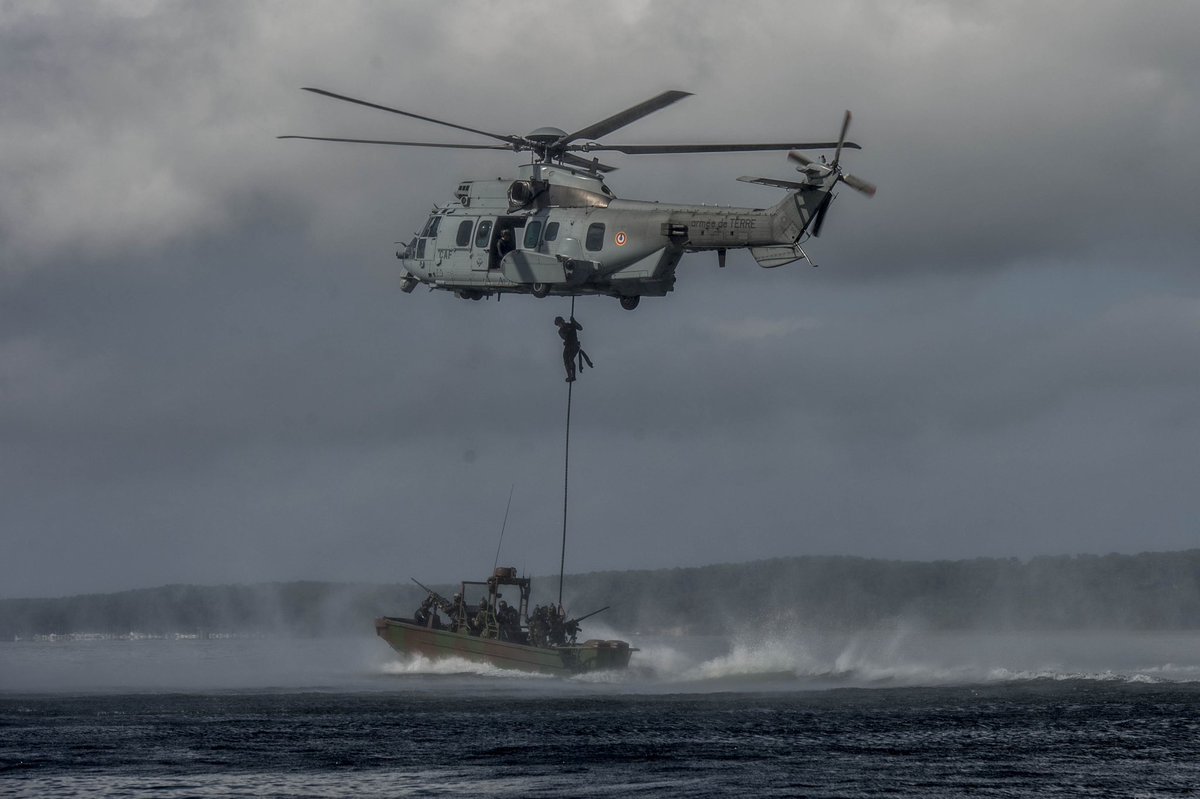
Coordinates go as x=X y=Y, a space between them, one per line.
x=817 y=173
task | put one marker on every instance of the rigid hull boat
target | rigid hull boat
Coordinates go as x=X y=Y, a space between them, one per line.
x=491 y=631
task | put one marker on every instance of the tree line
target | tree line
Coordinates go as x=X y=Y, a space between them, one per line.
x=1150 y=591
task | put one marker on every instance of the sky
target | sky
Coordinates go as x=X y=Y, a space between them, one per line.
x=209 y=374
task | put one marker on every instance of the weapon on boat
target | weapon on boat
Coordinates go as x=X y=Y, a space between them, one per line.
x=593 y=613
x=443 y=603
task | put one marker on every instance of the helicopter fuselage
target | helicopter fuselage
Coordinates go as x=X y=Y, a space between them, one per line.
x=559 y=230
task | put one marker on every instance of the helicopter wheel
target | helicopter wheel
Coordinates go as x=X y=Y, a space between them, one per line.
x=541 y=289
x=629 y=303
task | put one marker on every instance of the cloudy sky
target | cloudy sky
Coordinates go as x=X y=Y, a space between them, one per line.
x=208 y=372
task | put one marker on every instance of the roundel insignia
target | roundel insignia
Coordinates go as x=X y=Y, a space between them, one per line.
x=620 y=238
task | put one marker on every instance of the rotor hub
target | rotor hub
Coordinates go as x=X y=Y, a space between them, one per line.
x=546 y=135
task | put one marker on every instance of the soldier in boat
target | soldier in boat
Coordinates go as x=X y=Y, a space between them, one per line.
x=555 y=632
x=484 y=621
x=537 y=627
x=509 y=621
x=423 y=617
x=457 y=612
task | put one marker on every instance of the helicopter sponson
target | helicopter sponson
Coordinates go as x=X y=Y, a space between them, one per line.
x=557 y=228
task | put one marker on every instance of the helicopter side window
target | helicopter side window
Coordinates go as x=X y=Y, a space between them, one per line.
x=532 y=232
x=481 y=235
x=551 y=232
x=595 y=236
x=464 y=233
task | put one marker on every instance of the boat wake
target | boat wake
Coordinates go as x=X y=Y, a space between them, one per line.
x=912 y=659
x=452 y=666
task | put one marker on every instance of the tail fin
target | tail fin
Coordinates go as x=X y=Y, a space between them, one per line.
x=794 y=214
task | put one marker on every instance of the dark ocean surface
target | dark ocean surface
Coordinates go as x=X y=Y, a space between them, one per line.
x=894 y=715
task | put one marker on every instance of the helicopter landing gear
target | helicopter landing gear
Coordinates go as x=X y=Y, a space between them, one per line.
x=470 y=294
x=541 y=289
x=629 y=303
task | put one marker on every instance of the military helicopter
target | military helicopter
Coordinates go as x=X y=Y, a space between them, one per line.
x=557 y=228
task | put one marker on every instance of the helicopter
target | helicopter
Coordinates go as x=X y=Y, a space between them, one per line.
x=558 y=229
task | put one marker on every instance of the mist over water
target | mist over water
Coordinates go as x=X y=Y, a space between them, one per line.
x=774 y=661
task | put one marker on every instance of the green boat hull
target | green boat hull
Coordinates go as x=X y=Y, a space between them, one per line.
x=408 y=638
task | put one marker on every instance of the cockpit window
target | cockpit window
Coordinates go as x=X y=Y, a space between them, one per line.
x=595 y=236
x=464 y=233
x=481 y=235
x=431 y=229
x=532 y=231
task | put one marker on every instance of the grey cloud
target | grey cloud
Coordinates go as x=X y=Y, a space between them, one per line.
x=208 y=373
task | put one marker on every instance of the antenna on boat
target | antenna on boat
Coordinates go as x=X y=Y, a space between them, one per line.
x=502 y=526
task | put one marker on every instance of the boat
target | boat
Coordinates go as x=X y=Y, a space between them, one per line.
x=508 y=637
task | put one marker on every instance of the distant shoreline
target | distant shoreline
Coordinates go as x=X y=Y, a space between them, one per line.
x=1147 y=591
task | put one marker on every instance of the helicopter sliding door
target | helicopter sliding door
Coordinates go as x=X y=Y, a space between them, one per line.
x=530 y=264
x=483 y=245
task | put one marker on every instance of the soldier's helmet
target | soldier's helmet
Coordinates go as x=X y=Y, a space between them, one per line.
x=503 y=604
x=558 y=320
x=458 y=596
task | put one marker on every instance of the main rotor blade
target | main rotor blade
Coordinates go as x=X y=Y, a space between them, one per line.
x=509 y=139
x=405 y=143
x=649 y=149
x=623 y=118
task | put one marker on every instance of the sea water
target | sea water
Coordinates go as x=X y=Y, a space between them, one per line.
x=895 y=713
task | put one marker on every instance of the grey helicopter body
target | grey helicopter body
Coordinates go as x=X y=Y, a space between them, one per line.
x=557 y=228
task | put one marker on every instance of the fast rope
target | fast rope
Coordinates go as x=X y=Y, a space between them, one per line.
x=562 y=563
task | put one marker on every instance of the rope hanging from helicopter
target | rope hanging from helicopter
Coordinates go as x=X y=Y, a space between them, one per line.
x=573 y=360
x=562 y=563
